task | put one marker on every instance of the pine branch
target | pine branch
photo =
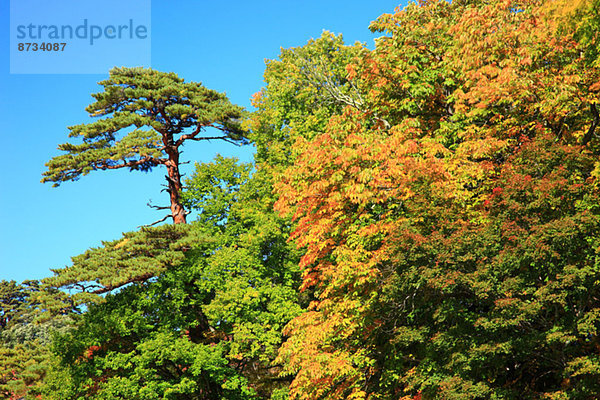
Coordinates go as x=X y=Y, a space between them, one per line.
x=224 y=138
x=130 y=164
x=108 y=288
x=157 y=222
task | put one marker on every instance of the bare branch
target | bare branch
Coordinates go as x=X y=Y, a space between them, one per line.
x=192 y=136
x=162 y=112
x=170 y=180
x=108 y=288
x=188 y=136
x=223 y=138
x=157 y=222
x=323 y=80
x=149 y=204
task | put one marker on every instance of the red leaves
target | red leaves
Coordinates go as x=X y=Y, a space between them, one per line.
x=89 y=352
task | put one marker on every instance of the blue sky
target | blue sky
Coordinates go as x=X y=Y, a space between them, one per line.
x=221 y=44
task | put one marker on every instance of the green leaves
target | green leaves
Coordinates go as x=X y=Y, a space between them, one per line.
x=24 y=339
x=444 y=199
x=193 y=311
x=147 y=116
x=304 y=87
x=138 y=256
x=214 y=189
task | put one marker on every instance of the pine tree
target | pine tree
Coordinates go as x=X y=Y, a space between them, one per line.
x=149 y=115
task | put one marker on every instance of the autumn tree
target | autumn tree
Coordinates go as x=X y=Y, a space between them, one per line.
x=453 y=253
x=144 y=117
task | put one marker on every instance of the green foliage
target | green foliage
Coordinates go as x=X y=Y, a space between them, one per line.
x=445 y=199
x=214 y=189
x=24 y=353
x=207 y=326
x=304 y=87
x=138 y=256
x=149 y=108
x=147 y=116
x=149 y=341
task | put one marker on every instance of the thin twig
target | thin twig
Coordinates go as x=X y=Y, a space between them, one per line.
x=156 y=222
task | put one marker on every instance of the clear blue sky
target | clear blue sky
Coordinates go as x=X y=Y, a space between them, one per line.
x=221 y=44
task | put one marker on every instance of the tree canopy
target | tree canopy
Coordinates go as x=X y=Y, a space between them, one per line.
x=143 y=118
x=206 y=321
x=421 y=221
x=453 y=253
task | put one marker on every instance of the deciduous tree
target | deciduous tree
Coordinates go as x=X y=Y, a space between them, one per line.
x=453 y=253
x=208 y=324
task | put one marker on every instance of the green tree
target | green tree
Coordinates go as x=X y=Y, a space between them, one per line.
x=24 y=339
x=148 y=116
x=208 y=324
x=304 y=87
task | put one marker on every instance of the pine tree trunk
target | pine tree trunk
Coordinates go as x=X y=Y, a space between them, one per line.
x=175 y=187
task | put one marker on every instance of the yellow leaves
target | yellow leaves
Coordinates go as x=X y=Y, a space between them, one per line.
x=583 y=366
x=596 y=173
x=560 y=13
x=559 y=337
x=357 y=394
x=122 y=243
x=481 y=148
x=309 y=354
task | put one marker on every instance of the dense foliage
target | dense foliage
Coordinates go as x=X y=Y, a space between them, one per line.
x=453 y=249
x=421 y=221
x=25 y=357
x=207 y=325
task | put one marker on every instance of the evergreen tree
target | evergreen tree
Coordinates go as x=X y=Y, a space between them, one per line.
x=155 y=113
